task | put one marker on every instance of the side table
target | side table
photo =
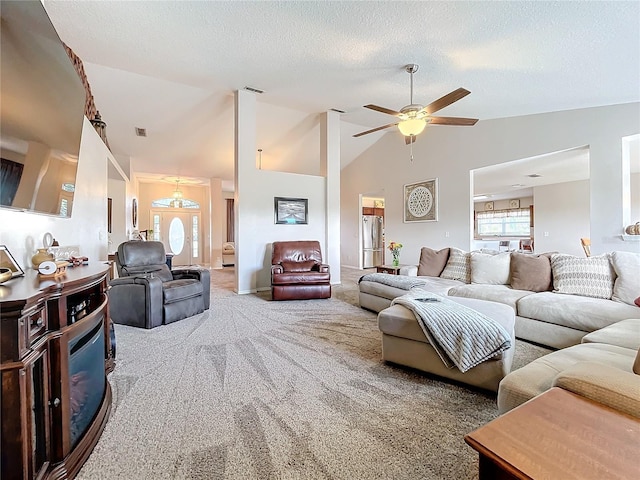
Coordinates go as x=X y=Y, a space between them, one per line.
x=390 y=269
x=558 y=435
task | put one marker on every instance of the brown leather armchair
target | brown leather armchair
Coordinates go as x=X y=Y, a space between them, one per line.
x=297 y=271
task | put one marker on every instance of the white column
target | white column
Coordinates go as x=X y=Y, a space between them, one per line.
x=330 y=168
x=216 y=221
x=245 y=185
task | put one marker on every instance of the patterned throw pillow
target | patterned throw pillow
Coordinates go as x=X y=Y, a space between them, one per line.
x=458 y=266
x=589 y=277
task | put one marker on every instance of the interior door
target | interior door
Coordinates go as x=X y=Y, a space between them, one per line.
x=180 y=232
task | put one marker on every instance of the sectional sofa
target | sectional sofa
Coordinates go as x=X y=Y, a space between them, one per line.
x=557 y=298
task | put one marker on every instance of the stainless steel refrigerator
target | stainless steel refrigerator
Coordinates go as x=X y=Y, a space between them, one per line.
x=372 y=241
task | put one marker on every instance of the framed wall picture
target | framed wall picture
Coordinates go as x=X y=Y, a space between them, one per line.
x=421 y=201
x=290 y=211
x=514 y=203
x=7 y=261
x=488 y=205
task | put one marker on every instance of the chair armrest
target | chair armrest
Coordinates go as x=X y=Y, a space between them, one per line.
x=323 y=268
x=604 y=384
x=276 y=269
x=410 y=270
x=136 y=301
x=148 y=280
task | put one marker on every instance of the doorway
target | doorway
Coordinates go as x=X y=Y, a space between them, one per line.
x=179 y=231
x=372 y=243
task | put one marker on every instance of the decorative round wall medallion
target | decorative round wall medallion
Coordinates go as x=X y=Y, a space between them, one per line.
x=420 y=202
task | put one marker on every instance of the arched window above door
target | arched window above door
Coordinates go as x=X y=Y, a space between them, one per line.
x=173 y=203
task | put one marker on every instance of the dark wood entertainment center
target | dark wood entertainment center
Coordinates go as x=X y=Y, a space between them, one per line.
x=54 y=343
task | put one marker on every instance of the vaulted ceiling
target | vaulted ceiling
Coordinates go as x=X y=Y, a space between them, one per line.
x=172 y=67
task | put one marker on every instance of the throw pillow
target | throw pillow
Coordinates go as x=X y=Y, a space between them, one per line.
x=627 y=285
x=637 y=301
x=531 y=272
x=589 y=277
x=458 y=266
x=297 y=267
x=432 y=262
x=490 y=269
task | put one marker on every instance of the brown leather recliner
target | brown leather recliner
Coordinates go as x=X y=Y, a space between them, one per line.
x=297 y=271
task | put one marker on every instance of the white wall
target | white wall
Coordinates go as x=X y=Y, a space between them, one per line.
x=561 y=217
x=635 y=197
x=449 y=153
x=22 y=232
x=117 y=191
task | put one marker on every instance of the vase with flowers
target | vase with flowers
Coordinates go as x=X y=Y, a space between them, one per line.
x=395 y=251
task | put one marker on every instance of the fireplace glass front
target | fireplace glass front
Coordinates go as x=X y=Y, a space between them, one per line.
x=86 y=379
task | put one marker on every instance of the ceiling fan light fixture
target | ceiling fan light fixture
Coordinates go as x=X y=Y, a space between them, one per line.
x=412 y=126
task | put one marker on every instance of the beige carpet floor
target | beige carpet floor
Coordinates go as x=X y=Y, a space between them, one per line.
x=256 y=389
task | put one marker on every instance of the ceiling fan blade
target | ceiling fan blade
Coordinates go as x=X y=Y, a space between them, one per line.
x=382 y=109
x=410 y=139
x=375 y=129
x=452 y=121
x=447 y=100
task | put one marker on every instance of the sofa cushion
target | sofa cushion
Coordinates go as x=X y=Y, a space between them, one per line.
x=625 y=333
x=538 y=376
x=627 y=285
x=432 y=284
x=531 y=272
x=492 y=293
x=574 y=311
x=589 y=277
x=296 y=267
x=399 y=321
x=490 y=269
x=432 y=262
x=458 y=266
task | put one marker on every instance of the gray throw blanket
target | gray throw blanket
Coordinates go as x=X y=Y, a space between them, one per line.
x=398 y=281
x=460 y=335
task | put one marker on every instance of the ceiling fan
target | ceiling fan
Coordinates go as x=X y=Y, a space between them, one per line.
x=414 y=117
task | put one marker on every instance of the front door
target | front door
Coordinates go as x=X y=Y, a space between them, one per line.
x=179 y=231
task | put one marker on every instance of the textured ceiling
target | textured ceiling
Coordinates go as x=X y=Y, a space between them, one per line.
x=172 y=67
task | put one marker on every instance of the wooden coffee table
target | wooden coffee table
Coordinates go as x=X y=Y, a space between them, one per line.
x=559 y=435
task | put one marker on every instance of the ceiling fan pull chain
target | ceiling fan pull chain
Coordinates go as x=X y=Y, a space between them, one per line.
x=411 y=144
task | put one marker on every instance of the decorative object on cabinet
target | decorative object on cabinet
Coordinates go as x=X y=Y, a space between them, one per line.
x=5 y=274
x=290 y=211
x=515 y=203
x=488 y=205
x=421 y=201
x=51 y=269
x=7 y=261
x=56 y=353
x=42 y=255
